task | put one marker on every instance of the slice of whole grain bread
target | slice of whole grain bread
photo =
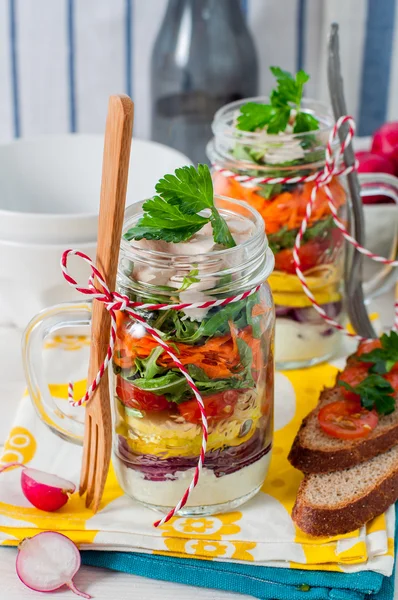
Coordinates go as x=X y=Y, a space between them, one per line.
x=314 y=451
x=339 y=502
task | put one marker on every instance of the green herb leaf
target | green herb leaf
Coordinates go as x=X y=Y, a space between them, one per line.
x=279 y=121
x=173 y=214
x=172 y=385
x=383 y=358
x=285 y=238
x=189 y=279
x=147 y=367
x=211 y=386
x=375 y=392
x=268 y=190
x=221 y=233
x=254 y=116
x=305 y=122
x=189 y=188
x=274 y=117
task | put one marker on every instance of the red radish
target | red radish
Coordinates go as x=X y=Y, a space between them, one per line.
x=47 y=561
x=385 y=142
x=374 y=163
x=43 y=490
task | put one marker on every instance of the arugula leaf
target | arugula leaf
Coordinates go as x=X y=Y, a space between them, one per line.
x=375 y=392
x=285 y=238
x=147 y=367
x=255 y=322
x=274 y=117
x=211 y=386
x=173 y=214
x=189 y=279
x=383 y=358
x=268 y=190
x=172 y=385
x=217 y=323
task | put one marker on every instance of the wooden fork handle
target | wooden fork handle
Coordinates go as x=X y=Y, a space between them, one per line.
x=115 y=167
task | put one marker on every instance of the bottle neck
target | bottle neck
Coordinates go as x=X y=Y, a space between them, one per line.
x=204 y=9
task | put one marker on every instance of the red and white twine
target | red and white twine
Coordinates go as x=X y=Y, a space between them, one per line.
x=118 y=302
x=321 y=179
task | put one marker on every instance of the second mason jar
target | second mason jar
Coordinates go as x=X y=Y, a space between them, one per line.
x=303 y=338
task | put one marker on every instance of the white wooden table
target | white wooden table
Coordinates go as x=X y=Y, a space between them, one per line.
x=100 y=583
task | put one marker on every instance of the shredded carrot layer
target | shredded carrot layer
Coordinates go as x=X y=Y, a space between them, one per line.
x=286 y=209
x=218 y=357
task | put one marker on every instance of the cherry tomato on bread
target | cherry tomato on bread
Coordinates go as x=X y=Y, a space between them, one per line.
x=347 y=420
x=353 y=374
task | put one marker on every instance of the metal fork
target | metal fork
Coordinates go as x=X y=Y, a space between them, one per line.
x=97 y=444
x=353 y=268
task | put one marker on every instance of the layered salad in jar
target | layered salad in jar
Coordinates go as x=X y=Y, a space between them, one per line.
x=285 y=137
x=186 y=247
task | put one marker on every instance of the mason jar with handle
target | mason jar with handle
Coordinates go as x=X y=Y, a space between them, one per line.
x=240 y=159
x=227 y=349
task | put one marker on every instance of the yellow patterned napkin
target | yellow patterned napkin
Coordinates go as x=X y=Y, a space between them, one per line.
x=261 y=531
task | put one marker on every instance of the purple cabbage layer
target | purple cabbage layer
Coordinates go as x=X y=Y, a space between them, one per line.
x=222 y=462
x=308 y=314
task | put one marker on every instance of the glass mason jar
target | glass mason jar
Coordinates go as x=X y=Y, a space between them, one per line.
x=303 y=338
x=228 y=351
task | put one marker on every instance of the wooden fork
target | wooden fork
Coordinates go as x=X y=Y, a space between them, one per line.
x=98 y=423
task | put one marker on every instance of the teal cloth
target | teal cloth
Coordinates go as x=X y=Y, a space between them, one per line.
x=253 y=580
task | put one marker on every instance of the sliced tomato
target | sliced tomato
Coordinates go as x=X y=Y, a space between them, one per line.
x=353 y=374
x=392 y=377
x=217 y=406
x=134 y=397
x=347 y=420
x=367 y=346
x=309 y=254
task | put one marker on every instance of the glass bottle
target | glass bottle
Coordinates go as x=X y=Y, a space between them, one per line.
x=203 y=58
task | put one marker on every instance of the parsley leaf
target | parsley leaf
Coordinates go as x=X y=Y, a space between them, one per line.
x=173 y=216
x=375 y=392
x=189 y=188
x=274 y=117
x=383 y=358
x=254 y=116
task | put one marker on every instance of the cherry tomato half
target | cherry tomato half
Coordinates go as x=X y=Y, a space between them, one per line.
x=134 y=397
x=392 y=378
x=353 y=374
x=310 y=253
x=218 y=406
x=347 y=420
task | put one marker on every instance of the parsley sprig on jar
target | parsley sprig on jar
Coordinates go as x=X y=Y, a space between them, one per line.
x=285 y=136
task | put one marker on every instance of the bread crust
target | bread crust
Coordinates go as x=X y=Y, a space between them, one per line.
x=349 y=517
x=312 y=460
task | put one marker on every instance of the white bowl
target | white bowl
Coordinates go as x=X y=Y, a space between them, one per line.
x=50 y=186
